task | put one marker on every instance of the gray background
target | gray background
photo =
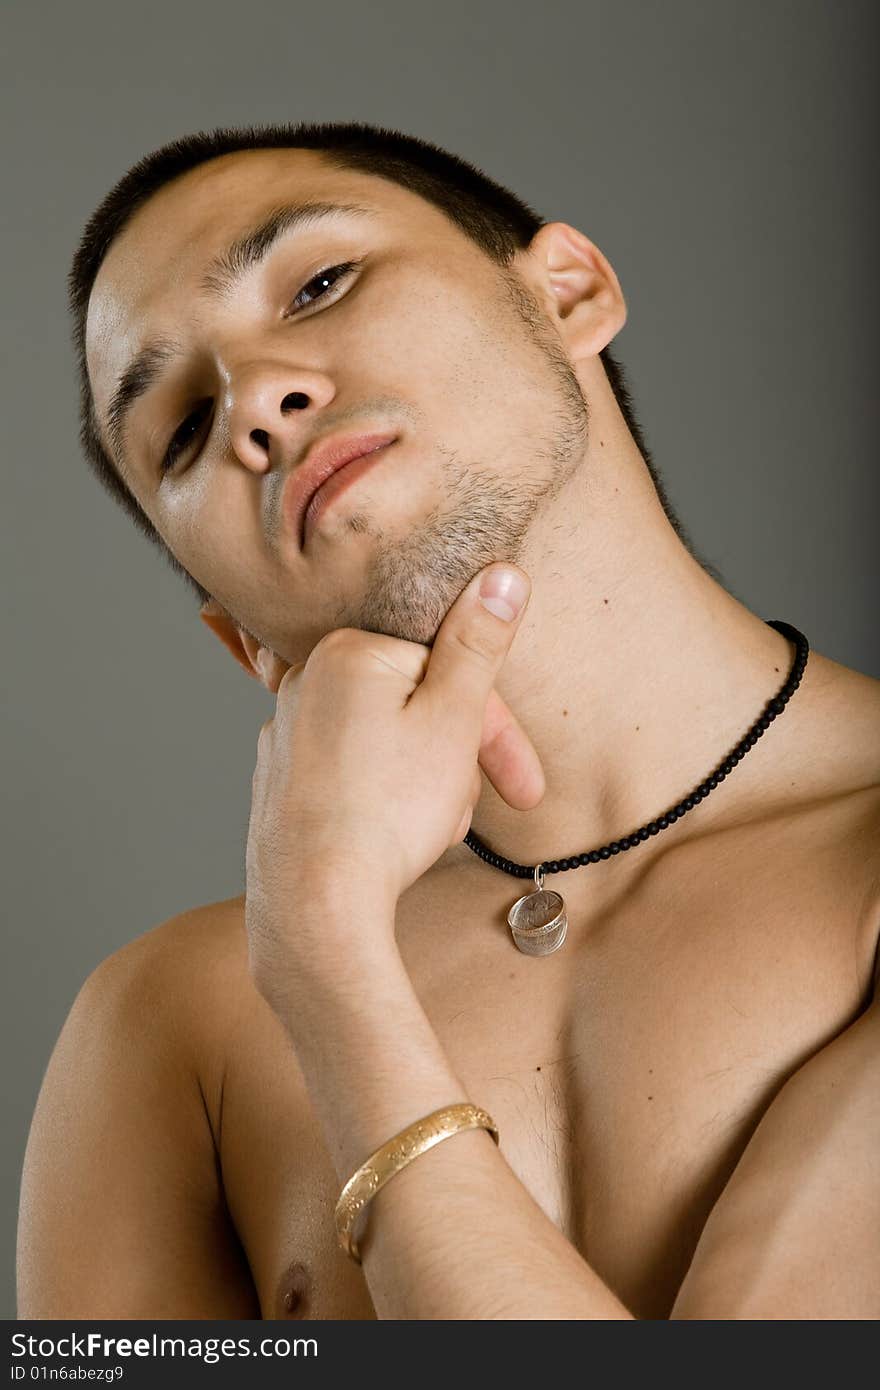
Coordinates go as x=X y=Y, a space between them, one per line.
x=718 y=153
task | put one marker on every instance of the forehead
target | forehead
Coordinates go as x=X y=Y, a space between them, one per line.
x=156 y=262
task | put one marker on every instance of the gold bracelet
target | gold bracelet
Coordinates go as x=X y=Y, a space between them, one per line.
x=416 y=1139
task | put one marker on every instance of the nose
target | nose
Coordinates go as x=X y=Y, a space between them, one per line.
x=269 y=408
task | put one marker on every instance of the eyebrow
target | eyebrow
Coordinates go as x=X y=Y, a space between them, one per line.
x=224 y=272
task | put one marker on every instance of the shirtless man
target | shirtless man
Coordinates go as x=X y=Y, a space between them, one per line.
x=686 y=1090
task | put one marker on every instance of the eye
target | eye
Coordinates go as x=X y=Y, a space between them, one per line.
x=324 y=280
x=322 y=283
x=183 y=437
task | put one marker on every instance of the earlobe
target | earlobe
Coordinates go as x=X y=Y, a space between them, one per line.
x=231 y=635
x=260 y=663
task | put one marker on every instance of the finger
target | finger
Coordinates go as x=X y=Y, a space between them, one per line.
x=508 y=757
x=476 y=787
x=472 y=644
x=464 y=824
x=376 y=663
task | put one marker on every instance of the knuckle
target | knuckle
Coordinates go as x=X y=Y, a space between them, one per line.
x=477 y=644
x=338 y=640
x=338 y=637
x=291 y=680
x=341 y=648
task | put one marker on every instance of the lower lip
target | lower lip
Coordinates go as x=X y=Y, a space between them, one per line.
x=336 y=484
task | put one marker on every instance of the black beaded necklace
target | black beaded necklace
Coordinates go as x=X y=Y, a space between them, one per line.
x=538 y=921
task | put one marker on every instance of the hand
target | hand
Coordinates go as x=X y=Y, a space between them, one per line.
x=369 y=769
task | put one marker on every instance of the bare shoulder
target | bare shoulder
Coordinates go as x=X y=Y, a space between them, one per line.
x=843 y=751
x=122 y=1152
x=176 y=991
x=844 y=724
x=177 y=968
x=210 y=935
x=827 y=747
x=190 y=975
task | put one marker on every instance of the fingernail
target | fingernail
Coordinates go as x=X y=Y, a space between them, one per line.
x=503 y=592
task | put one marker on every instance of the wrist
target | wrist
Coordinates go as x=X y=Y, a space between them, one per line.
x=334 y=944
x=345 y=881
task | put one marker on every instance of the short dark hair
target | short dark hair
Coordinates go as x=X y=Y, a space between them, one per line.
x=494 y=218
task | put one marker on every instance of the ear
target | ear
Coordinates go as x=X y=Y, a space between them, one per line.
x=586 y=293
x=259 y=661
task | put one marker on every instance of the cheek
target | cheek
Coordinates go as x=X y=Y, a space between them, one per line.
x=422 y=327
x=213 y=525
x=479 y=380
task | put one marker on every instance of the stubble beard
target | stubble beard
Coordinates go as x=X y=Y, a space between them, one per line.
x=412 y=581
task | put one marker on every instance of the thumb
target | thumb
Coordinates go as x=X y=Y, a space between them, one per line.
x=503 y=589
x=474 y=639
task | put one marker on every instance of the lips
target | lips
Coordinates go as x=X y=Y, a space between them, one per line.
x=322 y=461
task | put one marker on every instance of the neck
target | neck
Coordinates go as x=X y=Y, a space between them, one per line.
x=633 y=673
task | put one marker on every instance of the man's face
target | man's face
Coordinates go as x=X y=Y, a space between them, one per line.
x=425 y=337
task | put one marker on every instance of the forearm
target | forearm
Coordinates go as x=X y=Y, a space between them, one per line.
x=455 y=1234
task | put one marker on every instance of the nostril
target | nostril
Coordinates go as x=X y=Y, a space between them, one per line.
x=261 y=437
x=294 y=400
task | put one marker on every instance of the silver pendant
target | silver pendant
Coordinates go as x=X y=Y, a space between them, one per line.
x=538 y=922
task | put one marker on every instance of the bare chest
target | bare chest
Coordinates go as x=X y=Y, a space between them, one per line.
x=626 y=1072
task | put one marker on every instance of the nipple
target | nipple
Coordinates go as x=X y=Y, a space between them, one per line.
x=294 y=1287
